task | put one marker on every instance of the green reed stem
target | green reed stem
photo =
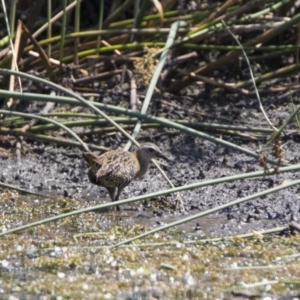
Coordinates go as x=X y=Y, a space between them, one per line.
x=175 y=190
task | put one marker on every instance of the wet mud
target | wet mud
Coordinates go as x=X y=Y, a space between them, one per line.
x=62 y=171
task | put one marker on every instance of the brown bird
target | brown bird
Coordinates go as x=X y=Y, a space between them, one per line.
x=115 y=169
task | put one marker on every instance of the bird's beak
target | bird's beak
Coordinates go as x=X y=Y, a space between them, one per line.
x=161 y=155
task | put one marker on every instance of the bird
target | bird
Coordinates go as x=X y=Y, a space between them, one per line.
x=115 y=169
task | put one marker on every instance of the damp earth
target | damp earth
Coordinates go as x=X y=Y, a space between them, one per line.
x=62 y=172
x=74 y=250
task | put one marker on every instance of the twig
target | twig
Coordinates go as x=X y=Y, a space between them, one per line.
x=133 y=89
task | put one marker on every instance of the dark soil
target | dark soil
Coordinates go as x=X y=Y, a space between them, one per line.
x=62 y=171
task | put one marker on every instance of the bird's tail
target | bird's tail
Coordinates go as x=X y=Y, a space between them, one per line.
x=91 y=159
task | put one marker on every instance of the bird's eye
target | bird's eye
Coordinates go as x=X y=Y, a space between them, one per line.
x=151 y=150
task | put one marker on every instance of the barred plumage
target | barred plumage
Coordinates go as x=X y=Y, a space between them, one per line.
x=115 y=169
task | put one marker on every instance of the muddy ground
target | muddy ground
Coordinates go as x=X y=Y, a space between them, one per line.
x=61 y=171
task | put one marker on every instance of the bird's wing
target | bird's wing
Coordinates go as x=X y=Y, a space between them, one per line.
x=121 y=165
x=116 y=163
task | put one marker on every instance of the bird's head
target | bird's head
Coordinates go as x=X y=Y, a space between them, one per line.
x=150 y=151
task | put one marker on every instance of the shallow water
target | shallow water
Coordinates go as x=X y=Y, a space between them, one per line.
x=70 y=258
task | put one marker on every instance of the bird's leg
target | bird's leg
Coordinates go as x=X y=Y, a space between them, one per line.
x=114 y=196
x=117 y=197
